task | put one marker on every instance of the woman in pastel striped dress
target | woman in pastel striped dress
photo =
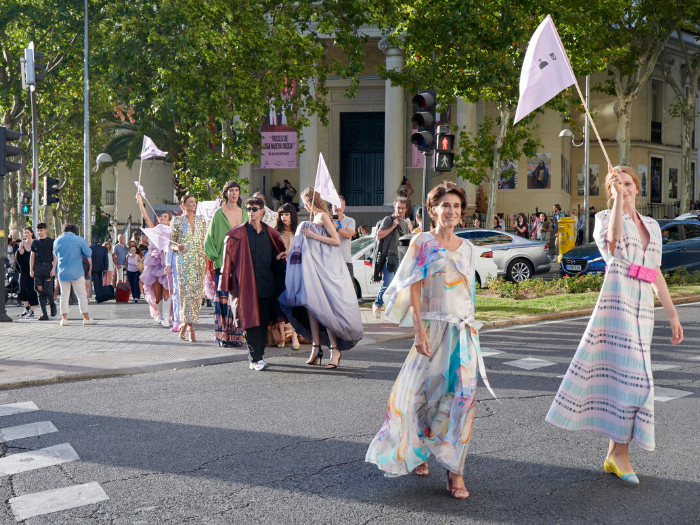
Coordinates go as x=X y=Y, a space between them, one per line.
x=433 y=402
x=609 y=385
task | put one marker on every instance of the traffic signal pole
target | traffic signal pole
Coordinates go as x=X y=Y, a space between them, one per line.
x=35 y=159
x=427 y=183
x=4 y=318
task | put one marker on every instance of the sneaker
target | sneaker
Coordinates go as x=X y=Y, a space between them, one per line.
x=44 y=317
x=175 y=328
x=377 y=311
x=24 y=314
x=64 y=322
x=260 y=365
x=136 y=301
x=89 y=321
x=30 y=314
x=53 y=310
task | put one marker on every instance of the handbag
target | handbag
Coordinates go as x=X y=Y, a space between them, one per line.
x=392 y=263
x=139 y=266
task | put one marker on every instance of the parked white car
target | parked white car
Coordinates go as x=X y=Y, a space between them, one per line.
x=361 y=250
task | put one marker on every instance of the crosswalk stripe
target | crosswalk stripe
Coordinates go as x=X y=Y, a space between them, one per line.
x=29 y=430
x=17 y=408
x=35 y=459
x=39 y=503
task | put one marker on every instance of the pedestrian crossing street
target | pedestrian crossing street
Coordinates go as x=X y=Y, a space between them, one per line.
x=48 y=501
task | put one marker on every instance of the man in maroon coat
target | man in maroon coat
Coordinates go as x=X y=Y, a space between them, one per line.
x=253 y=272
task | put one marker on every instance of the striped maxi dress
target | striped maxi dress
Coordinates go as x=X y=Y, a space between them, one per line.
x=609 y=385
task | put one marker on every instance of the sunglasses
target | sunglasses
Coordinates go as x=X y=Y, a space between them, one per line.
x=252 y=209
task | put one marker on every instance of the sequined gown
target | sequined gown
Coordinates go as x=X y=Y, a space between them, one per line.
x=191 y=265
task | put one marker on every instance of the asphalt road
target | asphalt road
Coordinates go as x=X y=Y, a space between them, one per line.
x=223 y=444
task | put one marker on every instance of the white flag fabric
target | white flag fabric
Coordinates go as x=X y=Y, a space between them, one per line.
x=546 y=69
x=159 y=236
x=207 y=209
x=324 y=185
x=149 y=149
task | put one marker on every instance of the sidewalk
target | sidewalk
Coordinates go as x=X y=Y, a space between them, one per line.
x=125 y=341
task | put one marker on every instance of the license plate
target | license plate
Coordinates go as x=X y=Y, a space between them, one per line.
x=573 y=267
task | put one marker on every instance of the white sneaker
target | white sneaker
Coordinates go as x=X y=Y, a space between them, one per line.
x=377 y=311
x=64 y=322
x=259 y=366
x=89 y=321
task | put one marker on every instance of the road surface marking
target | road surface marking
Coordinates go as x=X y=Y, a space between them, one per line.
x=668 y=394
x=23 y=431
x=488 y=352
x=17 y=408
x=529 y=363
x=658 y=367
x=31 y=505
x=35 y=459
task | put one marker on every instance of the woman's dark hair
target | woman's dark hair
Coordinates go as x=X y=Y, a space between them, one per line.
x=442 y=189
x=523 y=216
x=403 y=182
x=292 y=211
x=30 y=231
x=231 y=184
x=543 y=213
x=185 y=198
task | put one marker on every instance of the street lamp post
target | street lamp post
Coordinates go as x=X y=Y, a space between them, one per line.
x=586 y=157
x=87 y=208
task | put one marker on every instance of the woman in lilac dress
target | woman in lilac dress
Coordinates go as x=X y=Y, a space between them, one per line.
x=609 y=385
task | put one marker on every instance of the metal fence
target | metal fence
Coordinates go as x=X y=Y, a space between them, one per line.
x=660 y=210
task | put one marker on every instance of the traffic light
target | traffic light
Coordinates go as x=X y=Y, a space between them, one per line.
x=7 y=150
x=32 y=67
x=444 y=154
x=424 y=118
x=26 y=204
x=50 y=190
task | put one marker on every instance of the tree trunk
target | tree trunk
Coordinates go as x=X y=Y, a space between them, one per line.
x=495 y=166
x=688 y=125
x=623 y=112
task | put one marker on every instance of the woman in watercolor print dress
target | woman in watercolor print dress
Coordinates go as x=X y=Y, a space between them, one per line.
x=609 y=385
x=433 y=402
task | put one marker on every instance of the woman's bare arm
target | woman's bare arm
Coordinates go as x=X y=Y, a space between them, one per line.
x=333 y=240
x=422 y=343
x=661 y=289
x=615 y=225
x=149 y=222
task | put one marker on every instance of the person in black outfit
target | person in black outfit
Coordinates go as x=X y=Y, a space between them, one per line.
x=43 y=270
x=26 y=282
x=100 y=264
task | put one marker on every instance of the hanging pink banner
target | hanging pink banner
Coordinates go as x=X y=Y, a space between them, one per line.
x=279 y=149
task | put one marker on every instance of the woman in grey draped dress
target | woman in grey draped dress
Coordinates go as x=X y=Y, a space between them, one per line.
x=319 y=299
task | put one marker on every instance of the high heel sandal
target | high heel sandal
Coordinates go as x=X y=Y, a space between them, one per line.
x=422 y=469
x=319 y=356
x=192 y=336
x=334 y=366
x=461 y=493
x=183 y=331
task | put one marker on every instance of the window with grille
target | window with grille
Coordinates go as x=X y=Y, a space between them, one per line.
x=109 y=198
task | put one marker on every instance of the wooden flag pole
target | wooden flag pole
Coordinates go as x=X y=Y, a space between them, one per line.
x=595 y=130
x=141 y=167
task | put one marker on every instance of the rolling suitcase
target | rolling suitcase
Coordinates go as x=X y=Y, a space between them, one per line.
x=105 y=294
x=123 y=291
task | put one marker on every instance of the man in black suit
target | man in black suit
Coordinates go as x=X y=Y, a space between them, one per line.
x=100 y=263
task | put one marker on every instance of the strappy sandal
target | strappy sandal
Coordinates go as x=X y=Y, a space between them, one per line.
x=461 y=493
x=319 y=356
x=422 y=469
x=183 y=331
x=334 y=366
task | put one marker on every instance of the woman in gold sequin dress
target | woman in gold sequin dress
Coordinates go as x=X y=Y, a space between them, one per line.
x=187 y=240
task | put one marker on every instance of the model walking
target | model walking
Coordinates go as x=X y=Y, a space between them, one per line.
x=224 y=220
x=287 y=223
x=156 y=278
x=433 y=402
x=609 y=385
x=319 y=300
x=187 y=239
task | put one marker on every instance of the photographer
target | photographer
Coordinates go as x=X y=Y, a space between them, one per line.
x=386 y=260
x=345 y=227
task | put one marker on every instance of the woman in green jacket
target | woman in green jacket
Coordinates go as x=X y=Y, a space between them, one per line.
x=225 y=218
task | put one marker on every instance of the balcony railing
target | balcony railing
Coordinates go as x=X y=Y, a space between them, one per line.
x=656 y=132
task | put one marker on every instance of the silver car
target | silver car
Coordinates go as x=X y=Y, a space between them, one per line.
x=517 y=258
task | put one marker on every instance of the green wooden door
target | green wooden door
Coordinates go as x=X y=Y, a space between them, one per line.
x=362 y=158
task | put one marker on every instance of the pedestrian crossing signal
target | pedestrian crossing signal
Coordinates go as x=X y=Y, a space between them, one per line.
x=444 y=153
x=26 y=204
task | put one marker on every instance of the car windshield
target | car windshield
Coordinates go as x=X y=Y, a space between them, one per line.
x=487 y=238
x=360 y=244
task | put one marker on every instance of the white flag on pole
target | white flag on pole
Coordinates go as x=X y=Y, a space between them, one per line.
x=149 y=149
x=546 y=69
x=324 y=185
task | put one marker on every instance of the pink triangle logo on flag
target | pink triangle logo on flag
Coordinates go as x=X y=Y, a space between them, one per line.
x=149 y=149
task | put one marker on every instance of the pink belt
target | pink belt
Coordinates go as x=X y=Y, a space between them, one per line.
x=642 y=272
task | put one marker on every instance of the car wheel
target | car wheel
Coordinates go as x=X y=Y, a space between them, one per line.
x=519 y=270
x=478 y=280
x=358 y=290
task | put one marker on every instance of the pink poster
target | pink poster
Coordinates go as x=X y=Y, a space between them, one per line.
x=279 y=149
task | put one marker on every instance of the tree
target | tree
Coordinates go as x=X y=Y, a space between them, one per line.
x=214 y=69
x=474 y=50
x=686 y=91
x=635 y=38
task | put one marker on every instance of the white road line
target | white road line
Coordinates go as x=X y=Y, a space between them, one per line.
x=17 y=408
x=35 y=459
x=55 y=500
x=23 y=431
